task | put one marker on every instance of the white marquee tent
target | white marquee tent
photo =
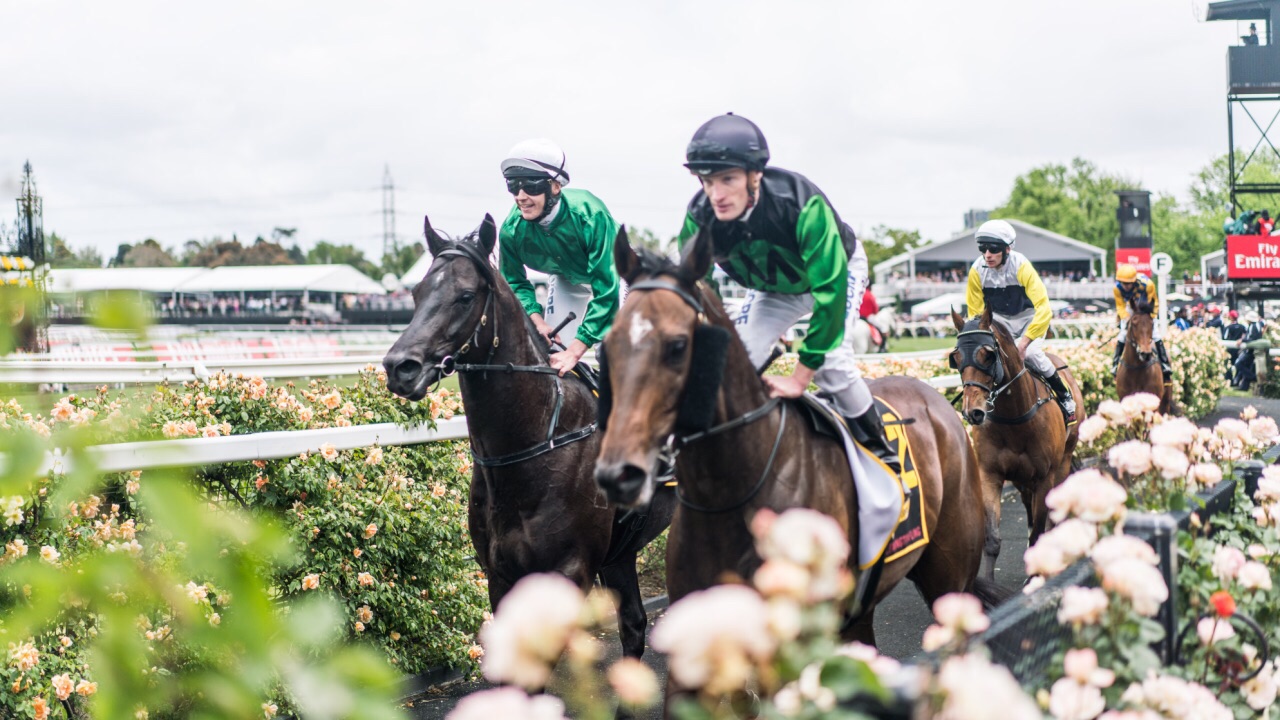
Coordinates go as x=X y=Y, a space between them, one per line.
x=342 y=279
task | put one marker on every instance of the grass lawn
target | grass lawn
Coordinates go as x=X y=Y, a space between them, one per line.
x=909 y=344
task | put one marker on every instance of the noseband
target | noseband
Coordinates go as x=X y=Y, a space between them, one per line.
x=675 y=441
x=448 y=366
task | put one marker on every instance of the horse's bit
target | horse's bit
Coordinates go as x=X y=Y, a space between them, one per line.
x=675 y=442
x=448 y=366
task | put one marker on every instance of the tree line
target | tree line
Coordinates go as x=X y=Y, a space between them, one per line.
x=1076 y=199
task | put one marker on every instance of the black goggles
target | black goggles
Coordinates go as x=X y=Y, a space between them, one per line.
x=531 y=186
x=990 y=247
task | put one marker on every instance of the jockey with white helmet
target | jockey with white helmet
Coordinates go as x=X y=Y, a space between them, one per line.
x=1005 y=280
x=567 y=234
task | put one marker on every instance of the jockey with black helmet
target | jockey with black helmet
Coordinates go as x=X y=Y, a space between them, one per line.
x=1005 y=280
x=567 y=234
x=775 y=233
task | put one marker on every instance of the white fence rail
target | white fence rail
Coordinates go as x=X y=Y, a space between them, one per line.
x=110 y=373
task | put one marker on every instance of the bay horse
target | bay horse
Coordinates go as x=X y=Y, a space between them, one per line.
x=1139 y=370
x=1019 y=431
x=534 y=506
x=674 y=363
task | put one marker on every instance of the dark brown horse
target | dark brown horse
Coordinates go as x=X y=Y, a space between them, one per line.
x=673 y=356
x=534 y=506
x=1139 y=370
x=1018 y=428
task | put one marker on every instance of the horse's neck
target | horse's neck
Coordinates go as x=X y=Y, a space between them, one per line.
x=506 y=404
x=1023 y=393
x=722 y=469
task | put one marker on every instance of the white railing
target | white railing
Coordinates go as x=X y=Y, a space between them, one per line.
x=112 y=373
x=187 y=452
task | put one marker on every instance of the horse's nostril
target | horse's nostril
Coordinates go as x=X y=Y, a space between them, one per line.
x=977 y=416
x=621 y=484
x=406 y=371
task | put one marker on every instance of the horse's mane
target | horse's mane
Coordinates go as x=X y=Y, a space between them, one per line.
x=998 y=329
x=1143 y=305
x=652 y=263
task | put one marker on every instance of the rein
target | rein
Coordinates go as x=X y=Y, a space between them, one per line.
x=676 y=442
x=448 y=366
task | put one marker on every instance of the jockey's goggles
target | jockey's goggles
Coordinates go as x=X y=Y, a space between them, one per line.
x=531 y=186
x=991 y=247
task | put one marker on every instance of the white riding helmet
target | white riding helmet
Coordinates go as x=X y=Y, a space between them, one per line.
x=1252 y=316
x=539 y=157
x=996 y=230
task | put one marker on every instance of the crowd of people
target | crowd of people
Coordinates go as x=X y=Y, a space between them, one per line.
x=1232 y=326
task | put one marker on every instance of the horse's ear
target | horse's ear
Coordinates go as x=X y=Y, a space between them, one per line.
x=435 y=243
x=697 y=258
x=958 y=319
x=488 y=235
x=624 y=256
x=986 y=318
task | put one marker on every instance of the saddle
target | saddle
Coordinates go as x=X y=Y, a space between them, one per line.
x=589 y=376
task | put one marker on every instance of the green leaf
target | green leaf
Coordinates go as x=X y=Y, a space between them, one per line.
x=847 y=677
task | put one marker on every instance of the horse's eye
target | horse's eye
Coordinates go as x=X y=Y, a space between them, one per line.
x=466 y=298
x=675 y=350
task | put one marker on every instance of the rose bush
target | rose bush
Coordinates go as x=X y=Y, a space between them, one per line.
x=382 y=531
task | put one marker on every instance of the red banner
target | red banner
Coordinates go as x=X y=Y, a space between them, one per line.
x=1253 y=257
x=1137 y=257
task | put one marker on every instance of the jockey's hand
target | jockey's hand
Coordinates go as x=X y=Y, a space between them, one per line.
x=1023 y=342
x=567 y=359
x=543 y=328
x=792 y=386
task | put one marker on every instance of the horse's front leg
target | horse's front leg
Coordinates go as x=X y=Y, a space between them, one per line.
x=992 y=486
x=621 y=578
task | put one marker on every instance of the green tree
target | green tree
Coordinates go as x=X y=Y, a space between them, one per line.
x=649 y=240
x=62 y=255
x=401 y=259
x=886 y=242
x=147 y=253
x=325 y=253
x=1075 y=200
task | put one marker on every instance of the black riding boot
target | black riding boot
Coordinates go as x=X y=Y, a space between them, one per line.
x=1115 y=361
x=1165 y=368
x=868 y=429
x=1065 y=399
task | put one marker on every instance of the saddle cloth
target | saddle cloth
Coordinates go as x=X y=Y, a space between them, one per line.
x=890 y=510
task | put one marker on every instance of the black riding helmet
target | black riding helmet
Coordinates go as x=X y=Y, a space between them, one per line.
x=727 y=141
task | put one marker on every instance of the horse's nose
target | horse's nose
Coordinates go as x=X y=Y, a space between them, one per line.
x=622 y=483
x=977 y=415
x=404 y=370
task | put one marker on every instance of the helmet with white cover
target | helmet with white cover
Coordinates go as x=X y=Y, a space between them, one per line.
x=997 y=230
x=536 y=158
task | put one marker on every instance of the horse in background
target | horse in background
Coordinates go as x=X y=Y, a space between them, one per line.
x=1019 y=431
x=1139 y=369
x=534 y=506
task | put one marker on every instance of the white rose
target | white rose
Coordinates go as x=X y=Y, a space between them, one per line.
x=1170 y=461
x=1132 y=457
x=1092 y=428
x=1254 y=576
x=1114 y=412
x=1227 y=562
x=1136 y=581
x=1214 y=630
x=713 y=638
x=1082 y=606
x=1070 y=700
x=530 y=629
x=1174 y=432
x=961 y=612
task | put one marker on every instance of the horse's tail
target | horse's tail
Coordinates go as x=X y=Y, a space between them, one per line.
x=991 y=593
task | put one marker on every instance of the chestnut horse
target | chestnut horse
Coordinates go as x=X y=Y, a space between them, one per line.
x=674 y=363
x=1019 y=431
x=534 y=507
x=1139 y=370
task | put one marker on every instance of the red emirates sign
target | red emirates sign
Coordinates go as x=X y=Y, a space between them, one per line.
x=1253 y=257
x=1137 y=257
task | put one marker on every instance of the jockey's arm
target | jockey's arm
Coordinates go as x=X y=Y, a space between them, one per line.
x=973 y=298
x=1122 y=308
x=1039 y=297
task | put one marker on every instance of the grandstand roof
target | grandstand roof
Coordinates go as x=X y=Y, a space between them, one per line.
x=229 y=278
x=1038 y=244
x=414 y=274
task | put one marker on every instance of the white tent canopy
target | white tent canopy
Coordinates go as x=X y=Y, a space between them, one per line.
x=155 y=280
x=1036 y=243
x=226 y=279
x=414 y=274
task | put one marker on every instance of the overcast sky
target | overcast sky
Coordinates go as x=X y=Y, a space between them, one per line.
x=193 y=120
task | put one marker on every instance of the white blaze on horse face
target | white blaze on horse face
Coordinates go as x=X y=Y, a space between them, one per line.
x=640 y=327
